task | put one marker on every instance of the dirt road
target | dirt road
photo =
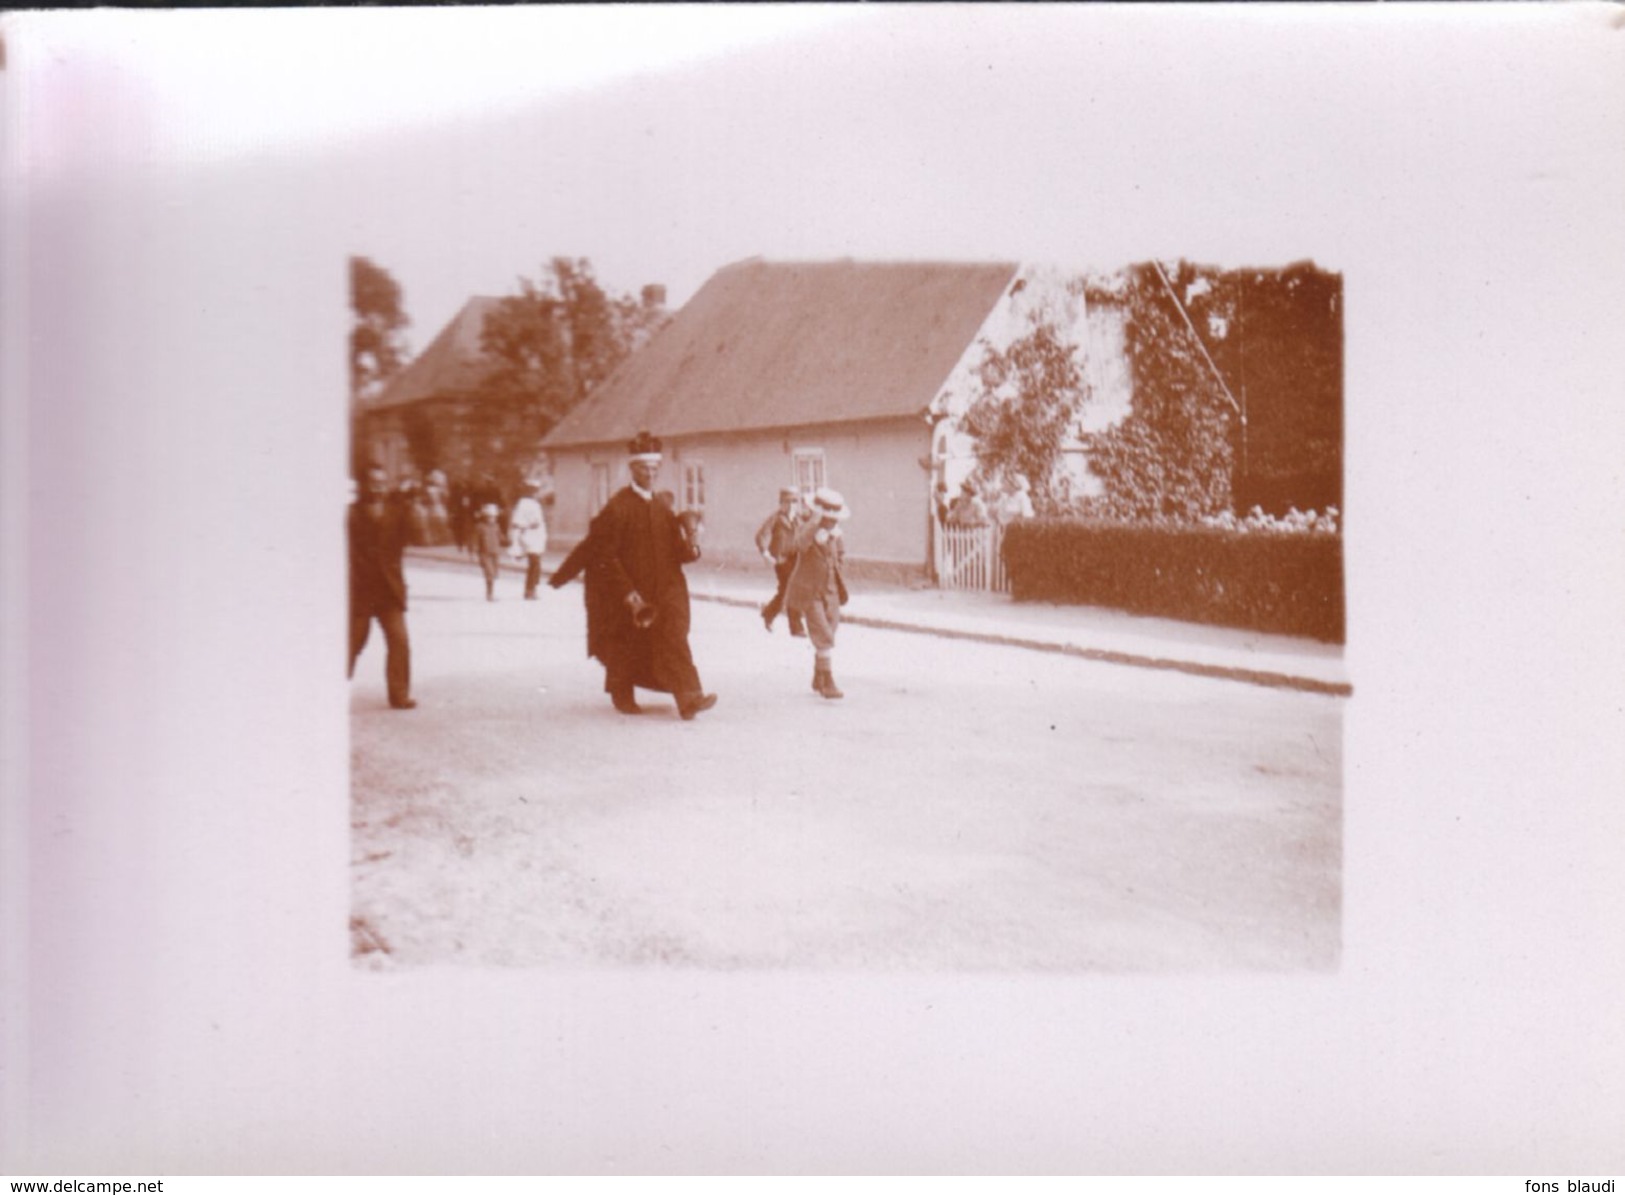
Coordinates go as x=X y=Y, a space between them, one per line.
x=965 y=807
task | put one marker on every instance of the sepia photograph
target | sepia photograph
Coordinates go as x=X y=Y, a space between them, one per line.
x=926 y=590
x=1085 y=582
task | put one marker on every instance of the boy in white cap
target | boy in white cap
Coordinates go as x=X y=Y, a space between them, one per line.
x=817 y=591
x=488 y=546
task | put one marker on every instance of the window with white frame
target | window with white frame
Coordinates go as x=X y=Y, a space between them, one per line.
x=694 y=486
x=600 y=488
x=809 y=470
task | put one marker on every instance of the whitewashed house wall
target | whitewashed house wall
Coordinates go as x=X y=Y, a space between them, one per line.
x=1096 y=329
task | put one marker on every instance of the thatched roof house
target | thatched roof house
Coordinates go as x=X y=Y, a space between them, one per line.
x=433 y=396
x=793 y=344
x=790 y=373
x=453 y=365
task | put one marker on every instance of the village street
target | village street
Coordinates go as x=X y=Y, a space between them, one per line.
x=965 y=807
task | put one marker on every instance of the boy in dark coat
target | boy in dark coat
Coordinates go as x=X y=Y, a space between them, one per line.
x=775 y=540
x=488 y=546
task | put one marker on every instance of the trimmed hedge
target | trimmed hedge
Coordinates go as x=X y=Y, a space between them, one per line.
x=1282 y=583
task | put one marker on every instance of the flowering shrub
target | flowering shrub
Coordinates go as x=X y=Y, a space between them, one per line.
x=1294 y=522
x=1029 y=399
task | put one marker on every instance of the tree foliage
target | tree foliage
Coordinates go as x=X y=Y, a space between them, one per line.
x=559 y=339
x=377 y=338
x=422 y=438
x=1275 y=338
x=1028 y=403
x=1282 y=346
x=551 y=345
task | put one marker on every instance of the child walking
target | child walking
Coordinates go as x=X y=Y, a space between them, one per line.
x=816 y=591
x=488 y=546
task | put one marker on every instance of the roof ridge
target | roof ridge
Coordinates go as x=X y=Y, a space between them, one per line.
x=797 y=343
x=879 y=262
x=427 y=362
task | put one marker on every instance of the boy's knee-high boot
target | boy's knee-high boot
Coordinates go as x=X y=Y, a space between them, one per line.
x=824 y=680
x=829 y=683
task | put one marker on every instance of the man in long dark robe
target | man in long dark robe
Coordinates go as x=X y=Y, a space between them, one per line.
x=637 y=595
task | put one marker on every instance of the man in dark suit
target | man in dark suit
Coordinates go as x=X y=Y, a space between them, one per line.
x=773 y=540
x=637 y=595
x=377 y=531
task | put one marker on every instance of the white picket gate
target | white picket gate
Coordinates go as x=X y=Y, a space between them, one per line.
x=970 y=558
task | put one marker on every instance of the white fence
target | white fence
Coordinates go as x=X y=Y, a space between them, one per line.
x=969 y=558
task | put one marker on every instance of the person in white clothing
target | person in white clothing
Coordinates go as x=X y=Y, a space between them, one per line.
x=1017 y=502
x=528 y=527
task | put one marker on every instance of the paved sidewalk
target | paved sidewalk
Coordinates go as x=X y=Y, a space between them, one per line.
x=1088 y=632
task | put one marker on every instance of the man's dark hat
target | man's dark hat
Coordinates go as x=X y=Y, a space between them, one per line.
x=643 y=446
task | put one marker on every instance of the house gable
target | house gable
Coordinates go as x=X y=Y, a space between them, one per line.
x=455 y=363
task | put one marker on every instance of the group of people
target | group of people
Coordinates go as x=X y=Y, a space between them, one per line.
x=426 y=506
x=969 y=508
x=631 y=560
